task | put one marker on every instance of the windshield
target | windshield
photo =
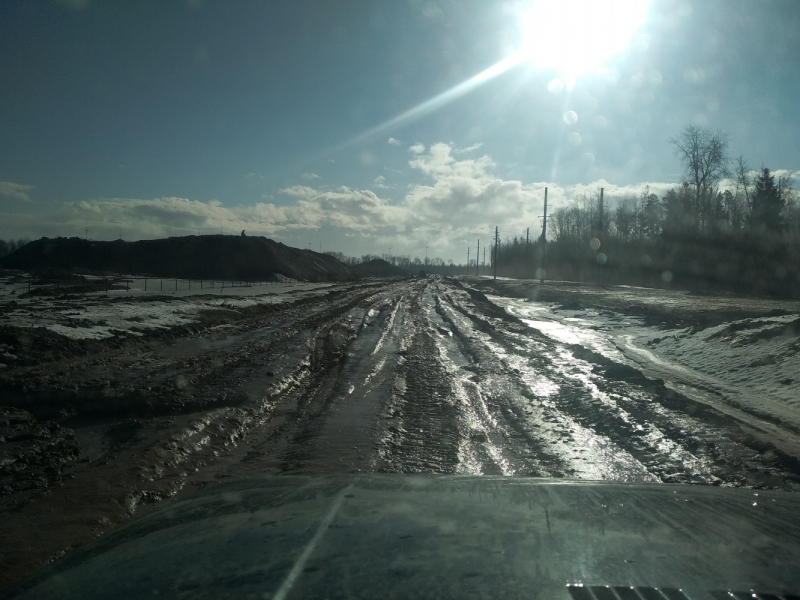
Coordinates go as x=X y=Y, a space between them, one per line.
x=542 y=239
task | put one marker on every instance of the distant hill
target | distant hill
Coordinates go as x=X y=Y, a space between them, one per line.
x=379 y=268
x=203 y=256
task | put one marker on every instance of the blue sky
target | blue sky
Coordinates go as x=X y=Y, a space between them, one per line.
x=158 y=118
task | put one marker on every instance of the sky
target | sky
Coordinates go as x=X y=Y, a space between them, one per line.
x=372 y=127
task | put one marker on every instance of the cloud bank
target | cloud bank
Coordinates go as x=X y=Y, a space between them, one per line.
x=457 y=202
x=16 y=191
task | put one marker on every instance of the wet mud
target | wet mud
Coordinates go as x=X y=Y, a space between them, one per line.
x=415 y=376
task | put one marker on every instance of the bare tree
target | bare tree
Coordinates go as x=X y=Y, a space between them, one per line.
x=705 y=161
x=744 y=182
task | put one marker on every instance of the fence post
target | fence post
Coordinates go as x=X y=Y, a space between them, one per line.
x=145 y=284
x=162 y=284
x=176 y=284
x=190 y=284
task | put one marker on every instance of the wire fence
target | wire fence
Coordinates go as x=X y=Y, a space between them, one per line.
x=44 y=286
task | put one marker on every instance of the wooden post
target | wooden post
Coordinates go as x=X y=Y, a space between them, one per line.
x=145 y=284
x=496 y=253
x=176 y=284
x=544 y=239
x=162 y=284
x=478 y=259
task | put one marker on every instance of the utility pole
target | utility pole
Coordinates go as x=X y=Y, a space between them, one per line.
x=484 y=260
x=544 y=239
x=426 y=256
x=467 y=260
x=478 y=259
x=496 y=248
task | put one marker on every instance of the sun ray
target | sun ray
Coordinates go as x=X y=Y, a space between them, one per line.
x=432 y=104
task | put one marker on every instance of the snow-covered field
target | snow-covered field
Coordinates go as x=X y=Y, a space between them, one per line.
x=751 y=364
x=99 y=315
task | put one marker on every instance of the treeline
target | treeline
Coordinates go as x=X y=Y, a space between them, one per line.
x=7 y=247
x=742 y=236
x=402 y=261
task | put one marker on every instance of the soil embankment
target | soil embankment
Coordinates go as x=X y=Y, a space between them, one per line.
x=204 y=256
x=379 y=268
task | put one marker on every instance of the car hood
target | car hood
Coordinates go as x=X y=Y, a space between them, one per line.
x=442 y=536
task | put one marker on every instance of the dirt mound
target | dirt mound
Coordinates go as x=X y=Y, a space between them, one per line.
x=379 y=268
x=204 y=256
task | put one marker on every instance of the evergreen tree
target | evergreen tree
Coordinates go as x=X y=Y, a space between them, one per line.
x=768 y=203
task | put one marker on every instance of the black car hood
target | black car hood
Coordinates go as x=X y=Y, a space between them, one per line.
x=406 y=536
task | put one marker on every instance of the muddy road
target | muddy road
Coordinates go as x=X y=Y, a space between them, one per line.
x=409 y=376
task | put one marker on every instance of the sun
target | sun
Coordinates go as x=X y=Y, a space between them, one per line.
x=576 y=37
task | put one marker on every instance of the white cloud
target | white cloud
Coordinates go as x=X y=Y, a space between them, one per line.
x=468 y=148
x=299 y=191
x=18 y=191
x=310 y=176
x=417 y=148
x=794 y=176
x=459 y=201
x=393 y=142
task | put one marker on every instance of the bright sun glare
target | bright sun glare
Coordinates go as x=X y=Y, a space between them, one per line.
x=578 y=36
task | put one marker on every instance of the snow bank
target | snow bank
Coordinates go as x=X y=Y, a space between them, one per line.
x=752 y=364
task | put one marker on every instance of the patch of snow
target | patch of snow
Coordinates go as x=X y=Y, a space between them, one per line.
x=102 y=315
x=751 y=364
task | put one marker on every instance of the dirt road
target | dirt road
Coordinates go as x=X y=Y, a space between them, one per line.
x=424 y=376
